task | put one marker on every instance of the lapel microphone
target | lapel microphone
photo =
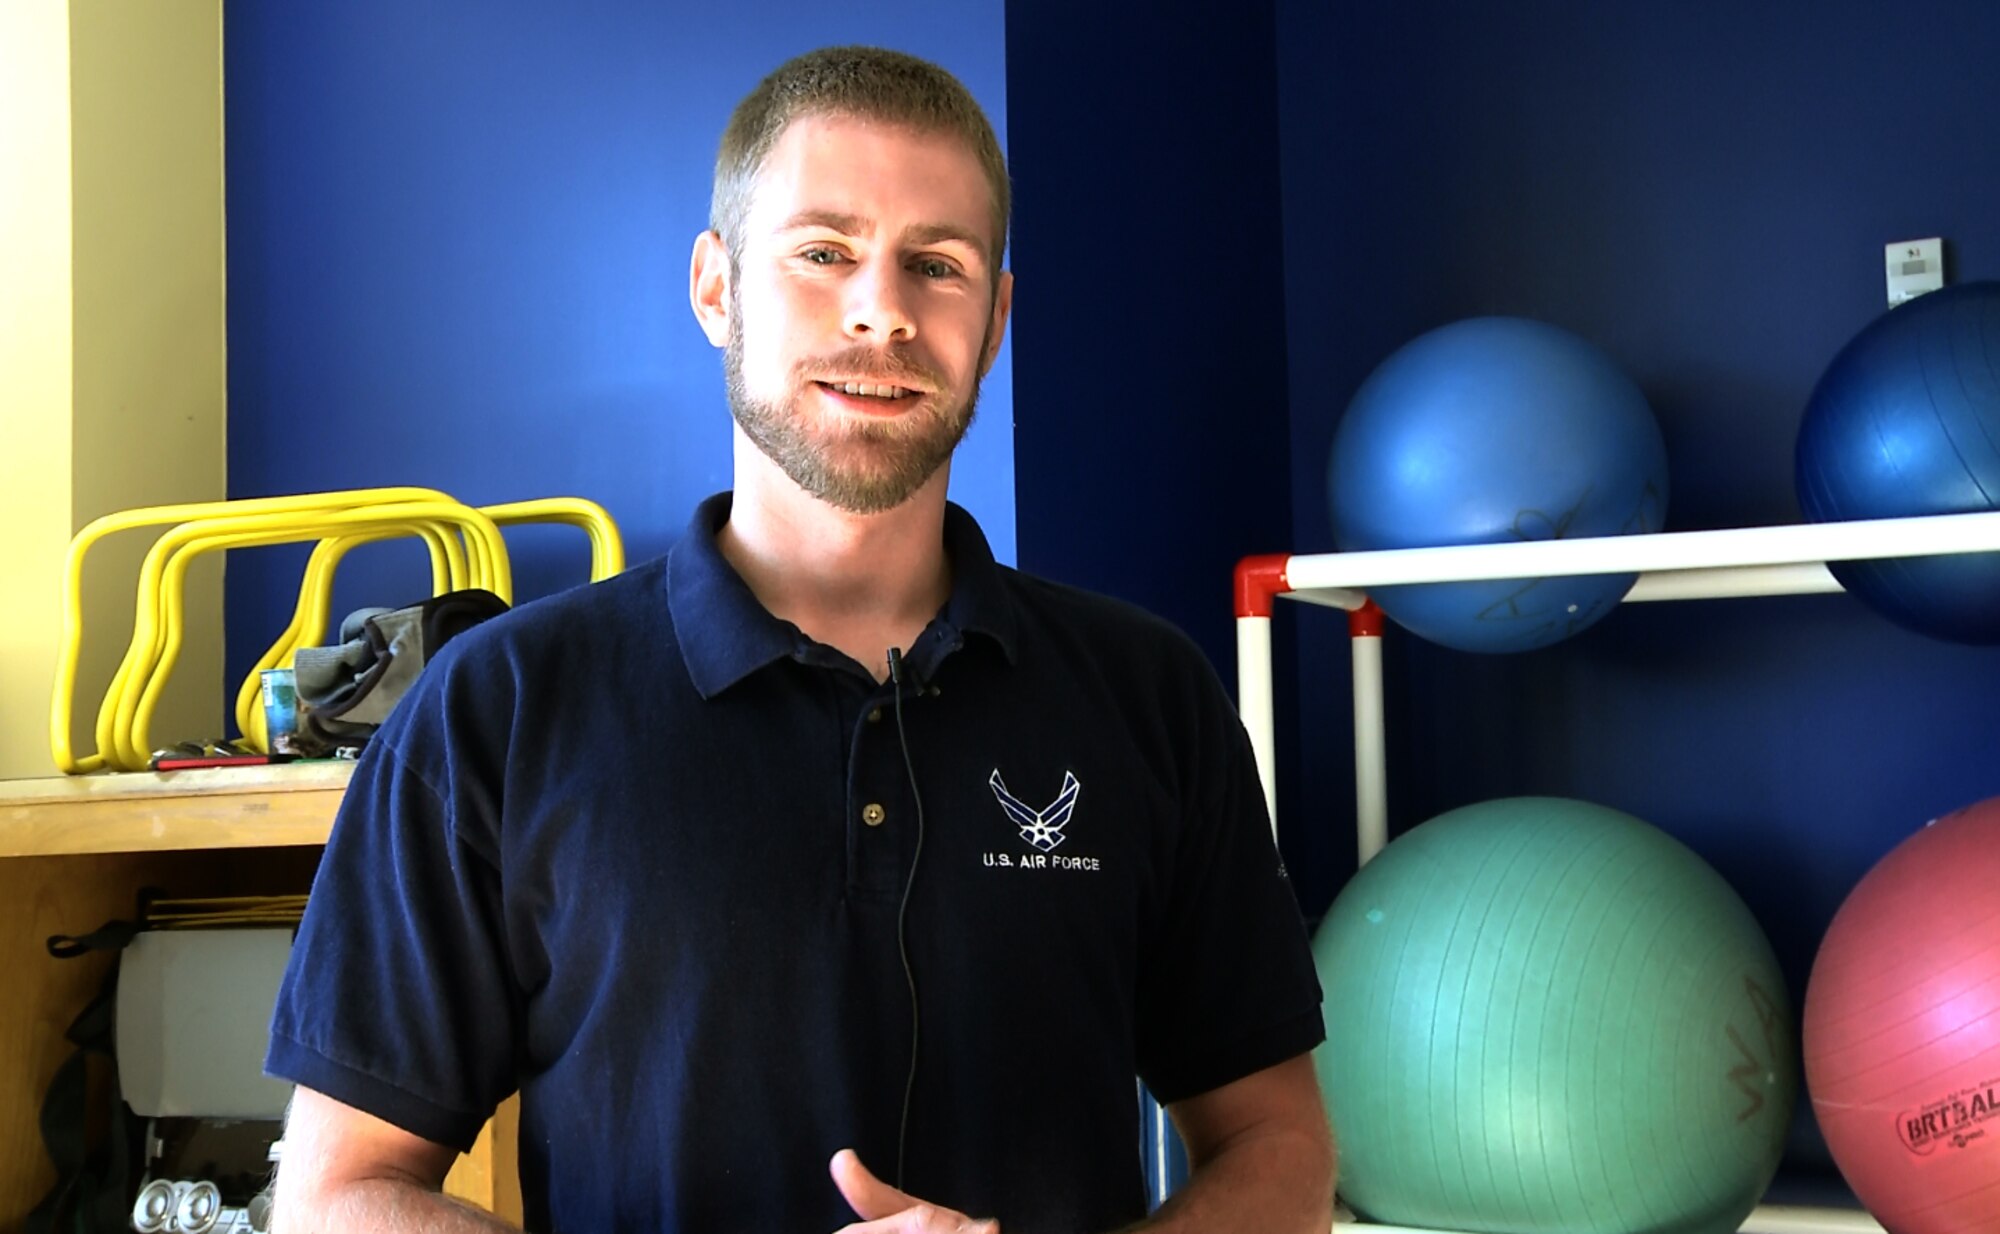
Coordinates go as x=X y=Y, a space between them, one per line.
x=903 y=915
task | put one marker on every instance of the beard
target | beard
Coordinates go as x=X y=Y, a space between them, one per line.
x=861 y=466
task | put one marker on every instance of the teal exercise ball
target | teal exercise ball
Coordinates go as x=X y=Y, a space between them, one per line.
x=1545 y=1016
x=1489 y=431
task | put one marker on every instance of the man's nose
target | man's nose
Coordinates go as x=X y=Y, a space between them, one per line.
x=878 y=307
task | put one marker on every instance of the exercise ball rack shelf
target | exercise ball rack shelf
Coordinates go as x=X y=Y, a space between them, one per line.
x=1691 y=565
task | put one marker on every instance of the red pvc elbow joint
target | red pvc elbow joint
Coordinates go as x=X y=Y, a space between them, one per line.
x=1259 y=581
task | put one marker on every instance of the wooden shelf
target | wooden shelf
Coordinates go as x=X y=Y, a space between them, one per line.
x=73 y=852
x=143 y=812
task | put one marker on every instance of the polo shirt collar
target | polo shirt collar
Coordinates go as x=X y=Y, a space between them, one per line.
x=725 y=634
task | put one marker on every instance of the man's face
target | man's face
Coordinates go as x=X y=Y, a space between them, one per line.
x=863 y=308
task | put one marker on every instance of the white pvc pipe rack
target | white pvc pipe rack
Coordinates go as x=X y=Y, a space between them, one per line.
x=1690 y=565
x=1769 y=1219
x=1685 y=565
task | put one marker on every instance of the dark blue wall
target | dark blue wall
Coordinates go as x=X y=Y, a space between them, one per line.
x=458 y=254
x=1151 y=431
x=1703 y=190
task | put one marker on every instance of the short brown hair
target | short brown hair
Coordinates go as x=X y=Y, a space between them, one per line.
x=868 y=83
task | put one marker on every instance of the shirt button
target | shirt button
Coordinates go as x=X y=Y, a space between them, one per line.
x=875 y=715
x=873 y=814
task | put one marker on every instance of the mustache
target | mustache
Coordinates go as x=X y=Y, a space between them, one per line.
x=894 y=367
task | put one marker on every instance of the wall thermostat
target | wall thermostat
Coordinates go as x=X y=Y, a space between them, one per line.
x=1914 y=267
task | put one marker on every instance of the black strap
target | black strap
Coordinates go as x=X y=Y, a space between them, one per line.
x=90 y=1195
x=111 y=936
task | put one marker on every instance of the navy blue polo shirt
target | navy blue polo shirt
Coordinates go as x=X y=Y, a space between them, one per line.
x=640 y=849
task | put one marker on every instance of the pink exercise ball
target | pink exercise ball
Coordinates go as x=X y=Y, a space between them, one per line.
x=1902 y=1030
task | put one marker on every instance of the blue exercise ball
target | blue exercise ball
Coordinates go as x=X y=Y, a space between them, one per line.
x=1486 y=431
x=1906 y=421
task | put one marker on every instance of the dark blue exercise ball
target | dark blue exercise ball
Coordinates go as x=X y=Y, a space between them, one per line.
x=1906 y=421
x=1486 y=431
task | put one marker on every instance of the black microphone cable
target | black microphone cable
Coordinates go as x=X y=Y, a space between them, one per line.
x=903 y=913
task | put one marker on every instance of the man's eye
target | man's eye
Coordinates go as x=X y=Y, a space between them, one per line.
x=935 y=268
x=822 y=256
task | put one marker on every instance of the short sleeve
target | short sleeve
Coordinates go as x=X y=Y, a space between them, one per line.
x=1227 y=987
x=398 y=999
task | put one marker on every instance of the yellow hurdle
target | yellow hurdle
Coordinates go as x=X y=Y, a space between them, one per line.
x=309 y=618
x=607 y=549
x=124 y=720
x=309 y=621
x=62 y=698
x=465 y=550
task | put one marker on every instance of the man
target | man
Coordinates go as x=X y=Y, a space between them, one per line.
x=824 y=844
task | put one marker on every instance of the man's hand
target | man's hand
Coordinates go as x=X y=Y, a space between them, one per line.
x=885 y=1210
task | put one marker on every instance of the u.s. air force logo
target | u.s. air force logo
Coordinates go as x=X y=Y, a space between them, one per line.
x=1042 y=829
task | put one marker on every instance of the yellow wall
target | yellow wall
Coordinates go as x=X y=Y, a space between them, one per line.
x=34 y=368
x=146 y=111
x=120 y=350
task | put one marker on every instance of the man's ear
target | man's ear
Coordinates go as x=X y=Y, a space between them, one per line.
x=996 y=330
x=708 y=287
